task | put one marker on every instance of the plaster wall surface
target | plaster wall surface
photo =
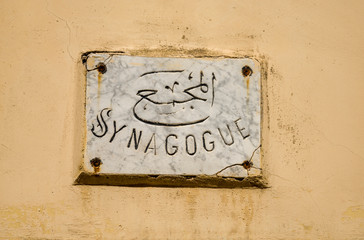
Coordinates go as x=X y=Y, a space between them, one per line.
x=313 y=132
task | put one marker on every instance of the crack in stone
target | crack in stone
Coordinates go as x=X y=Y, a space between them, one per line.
x=106 y=61
x=68 y=27
x=247 y=164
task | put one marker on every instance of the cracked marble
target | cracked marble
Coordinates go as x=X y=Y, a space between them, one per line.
x=175 y=116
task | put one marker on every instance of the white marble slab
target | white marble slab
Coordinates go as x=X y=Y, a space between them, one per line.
x=175 y=116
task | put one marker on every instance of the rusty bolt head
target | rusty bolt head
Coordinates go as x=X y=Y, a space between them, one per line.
x=247 y=71
x=247 y=165
x=101 y=67
x=96 y=162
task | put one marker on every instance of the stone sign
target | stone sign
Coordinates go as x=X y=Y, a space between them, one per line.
x=172 y=116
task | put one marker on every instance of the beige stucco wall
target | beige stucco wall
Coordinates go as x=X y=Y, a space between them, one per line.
x=313 y=137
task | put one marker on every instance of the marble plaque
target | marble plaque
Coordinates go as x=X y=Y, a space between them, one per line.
x=172 y=116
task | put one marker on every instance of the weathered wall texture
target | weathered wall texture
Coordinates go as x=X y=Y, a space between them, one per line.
x=313 y=137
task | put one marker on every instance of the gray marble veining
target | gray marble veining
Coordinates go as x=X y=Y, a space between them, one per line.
x=172 y=115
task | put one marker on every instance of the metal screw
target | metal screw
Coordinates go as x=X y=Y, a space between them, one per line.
x=247 y=71
x=101 y=67
x=96 y=162
x=247 y=164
